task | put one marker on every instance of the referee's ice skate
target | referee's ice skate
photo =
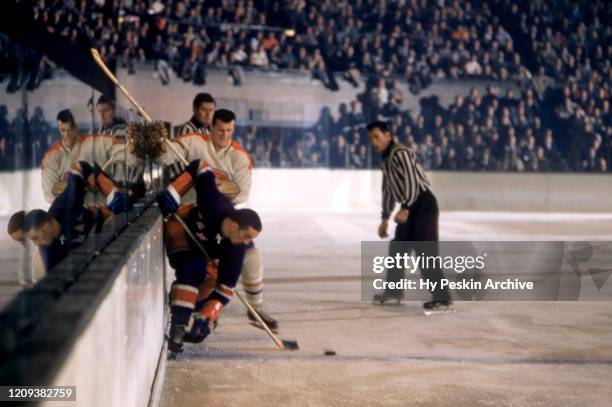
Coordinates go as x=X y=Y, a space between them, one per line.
x=438 y=307
x=387 y=297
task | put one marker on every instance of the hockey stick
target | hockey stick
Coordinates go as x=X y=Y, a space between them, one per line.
x=96 y=56
x=280 y=343
x=112 y=157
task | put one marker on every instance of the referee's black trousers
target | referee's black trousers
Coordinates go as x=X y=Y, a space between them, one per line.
x=422 y=225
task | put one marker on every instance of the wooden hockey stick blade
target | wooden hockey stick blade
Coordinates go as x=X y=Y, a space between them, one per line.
x=280 y=343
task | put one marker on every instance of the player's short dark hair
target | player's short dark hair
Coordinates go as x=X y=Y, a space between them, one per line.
x=35 y=219
x=247 y=218
x=226 y=116
x=105 y=100
x=378 y=124
x=15 y=222
x=65 y=116
x=203 y=98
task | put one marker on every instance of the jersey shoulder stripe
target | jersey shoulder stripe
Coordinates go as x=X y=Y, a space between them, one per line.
x=236 y=146
x=193 y=134
x=51 y=149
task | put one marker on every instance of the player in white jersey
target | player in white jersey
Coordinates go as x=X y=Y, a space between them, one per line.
x=225 y=155
x=72 y=148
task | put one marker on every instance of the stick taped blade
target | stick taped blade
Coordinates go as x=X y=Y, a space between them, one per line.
x=290 y=345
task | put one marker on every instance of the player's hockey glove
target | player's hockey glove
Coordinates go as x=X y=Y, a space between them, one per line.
x=156 y=134
x=86 y=169
x=119 y=202
x=168 y=201
x=228 y=188
x=59 y=187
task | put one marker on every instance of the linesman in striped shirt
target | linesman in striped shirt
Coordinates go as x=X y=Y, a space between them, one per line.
x=405 y=182
x=201 y=121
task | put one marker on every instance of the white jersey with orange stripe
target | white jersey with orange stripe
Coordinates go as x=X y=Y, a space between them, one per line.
x=98 y=149
x=233 y=160
x=57 y=160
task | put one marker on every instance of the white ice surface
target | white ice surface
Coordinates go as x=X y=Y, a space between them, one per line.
x=504 y=353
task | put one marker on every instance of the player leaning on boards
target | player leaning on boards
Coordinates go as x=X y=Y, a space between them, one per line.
x=222 y=153
x=224 y=232
x=405 y=182
x=67 y=223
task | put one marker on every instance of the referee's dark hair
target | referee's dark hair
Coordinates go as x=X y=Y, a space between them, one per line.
x=65 y=116
x=203 y=98
x=378 y=124
x=246 y=218
x=226 y=116
x=35 y=219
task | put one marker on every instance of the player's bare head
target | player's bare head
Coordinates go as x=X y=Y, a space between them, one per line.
x=106 y=110
x=379 y=135
x=223 y=122
x=242 y=226
x=39 y=228
x=204 y=108
x=15 y=227
x=67 y=127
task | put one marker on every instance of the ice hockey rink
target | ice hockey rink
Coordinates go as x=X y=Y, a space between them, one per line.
x=486 y=353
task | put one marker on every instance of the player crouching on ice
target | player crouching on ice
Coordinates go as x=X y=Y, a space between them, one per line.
x=223 y=231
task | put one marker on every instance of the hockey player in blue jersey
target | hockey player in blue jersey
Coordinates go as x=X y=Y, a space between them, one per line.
x=224 y=232
x=66 y=224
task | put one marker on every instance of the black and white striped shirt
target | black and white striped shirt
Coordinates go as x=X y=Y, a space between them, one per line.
x=192 y=126
x=117 y=128
x=403 y=178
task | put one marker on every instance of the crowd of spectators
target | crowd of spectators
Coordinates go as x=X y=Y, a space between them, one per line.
x=418 y=40
x=569 y=44
x=495 y=131
x=557 y=117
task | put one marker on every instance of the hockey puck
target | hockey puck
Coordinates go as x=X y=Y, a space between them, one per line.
x=329 y=352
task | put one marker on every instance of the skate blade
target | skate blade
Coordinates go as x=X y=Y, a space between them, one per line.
x=387 y=302
x=439 y=312
x=259 y=326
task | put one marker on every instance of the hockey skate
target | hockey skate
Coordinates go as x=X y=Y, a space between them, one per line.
x=175 y=340
x=387 y=296
x=438 y=307
x=271 y=322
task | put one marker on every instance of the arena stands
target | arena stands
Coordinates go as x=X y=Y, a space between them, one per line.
x=557 y=55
